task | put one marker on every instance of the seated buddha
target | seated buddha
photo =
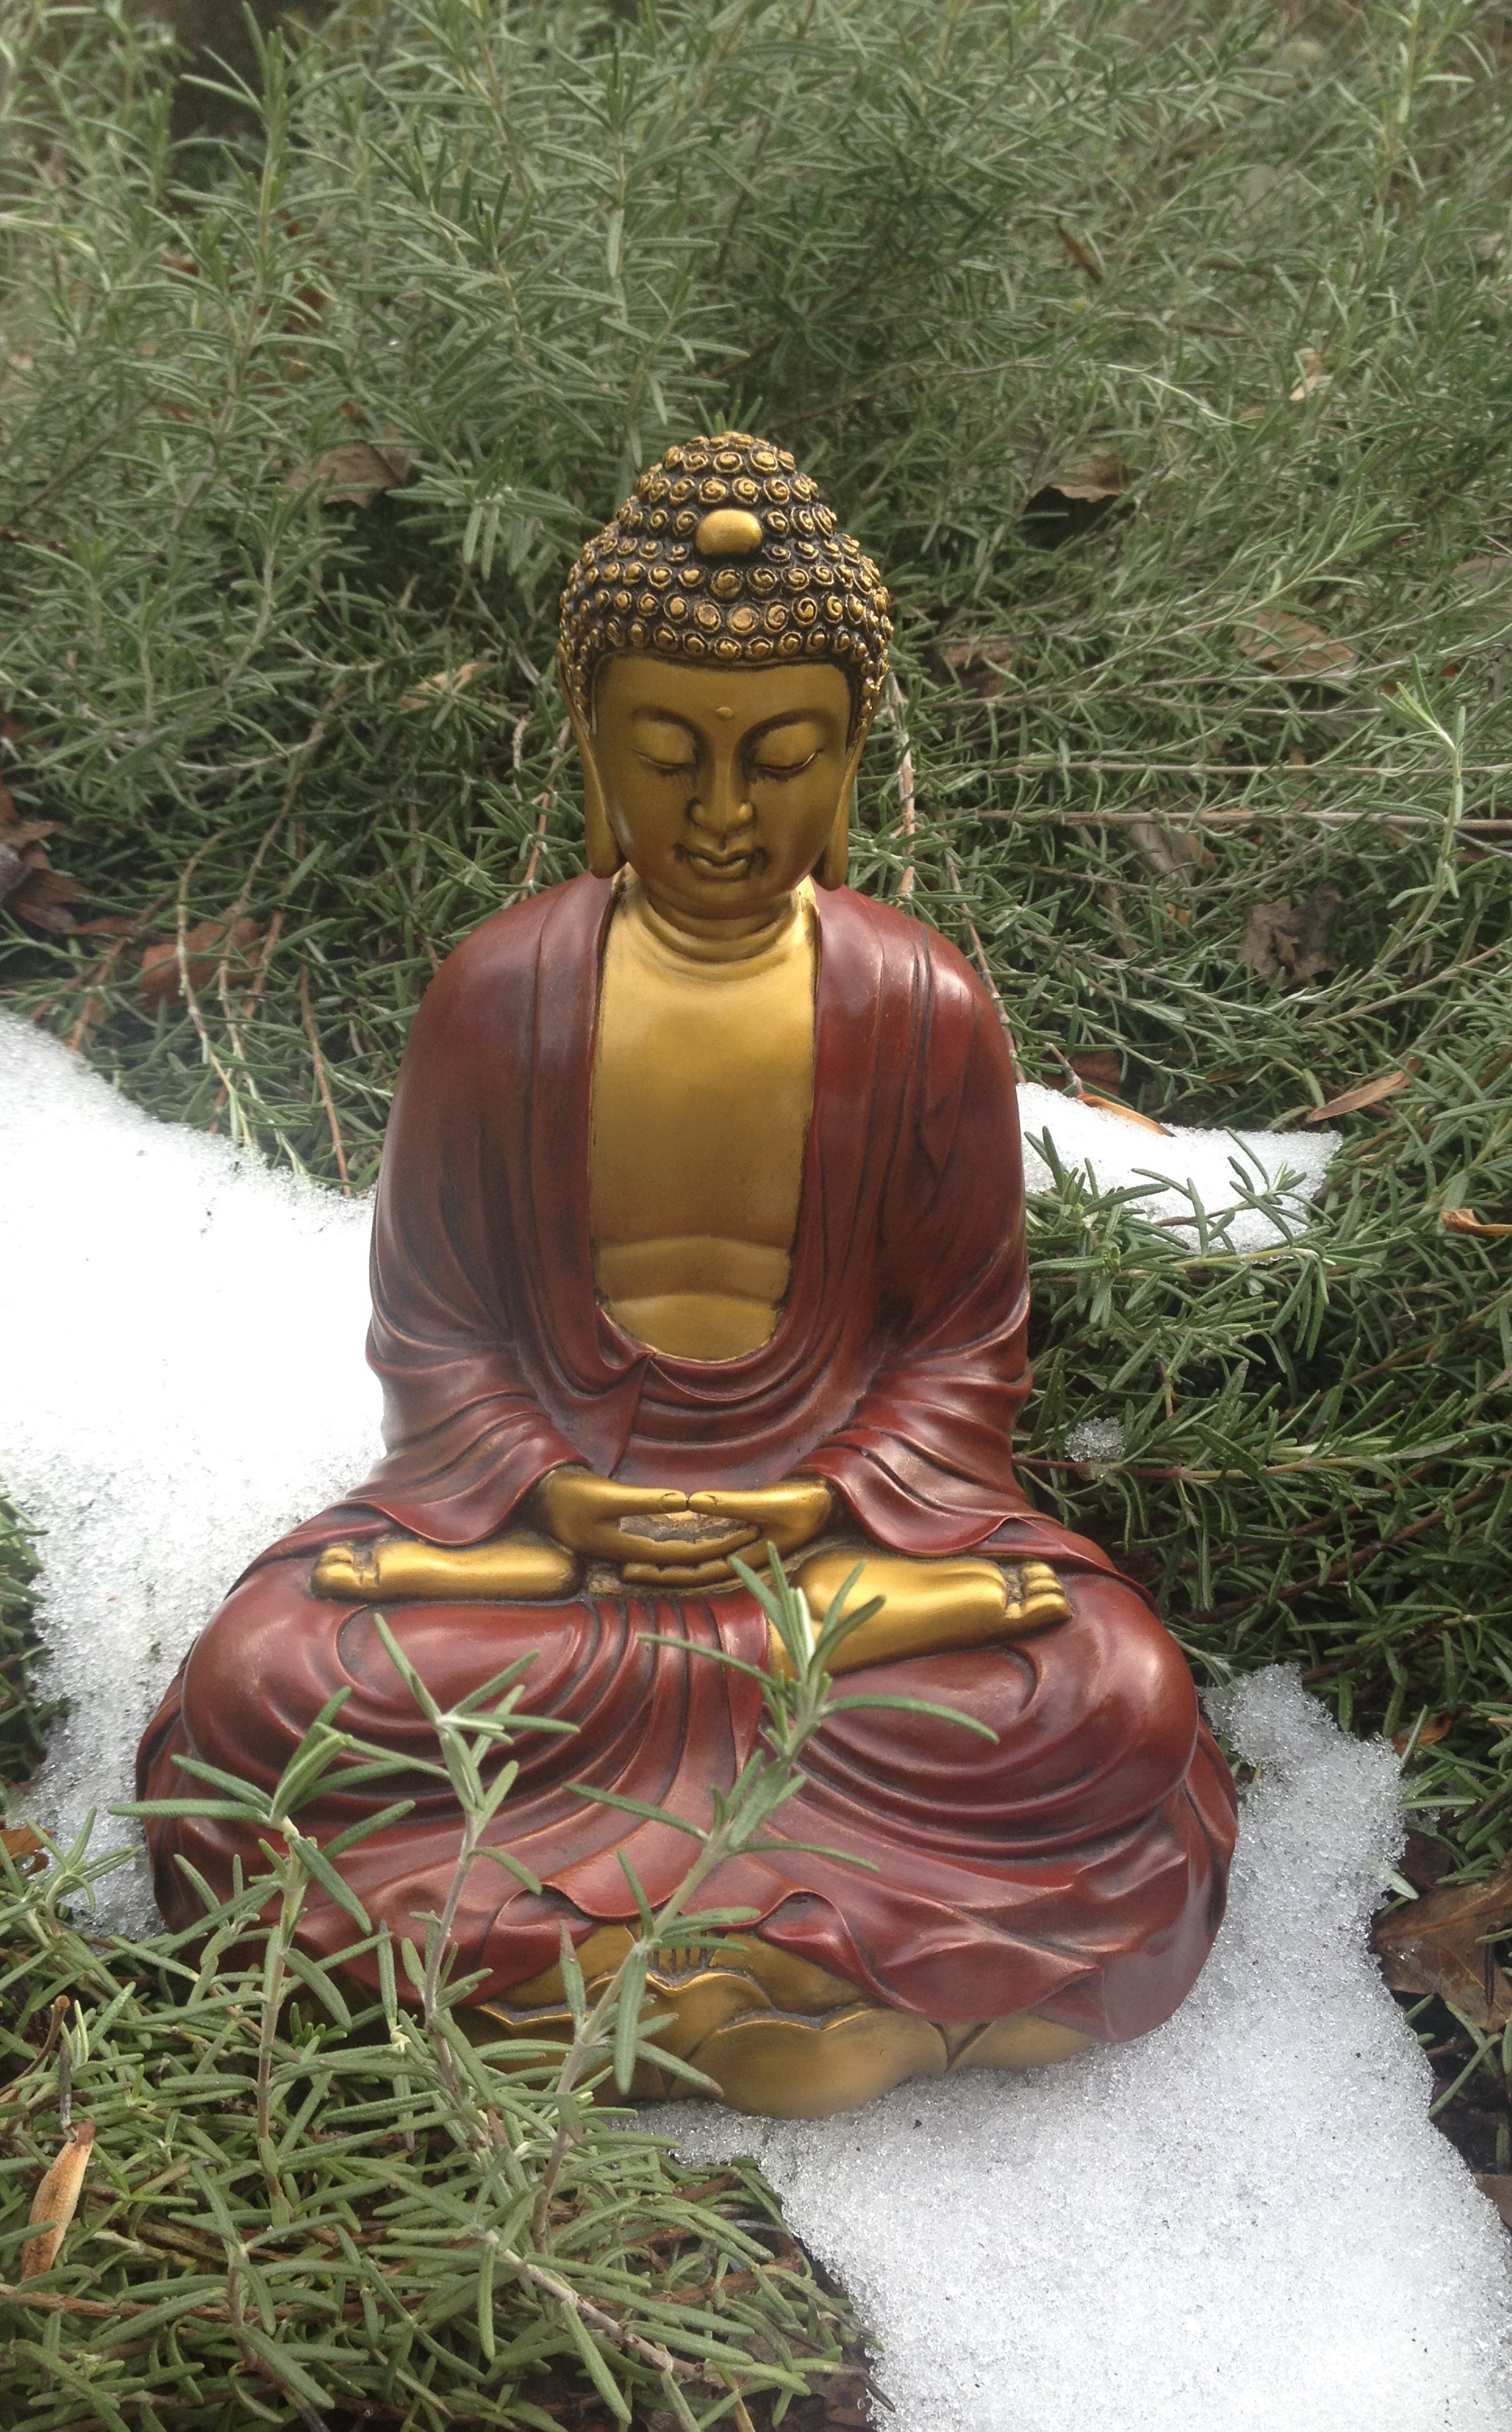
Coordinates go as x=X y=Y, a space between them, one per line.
x=700 y=1228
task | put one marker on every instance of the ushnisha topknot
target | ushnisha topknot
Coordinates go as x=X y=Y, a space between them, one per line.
x=726 y=555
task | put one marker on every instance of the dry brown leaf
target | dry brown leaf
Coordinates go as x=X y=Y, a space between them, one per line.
x=1436 y=1728
x=1314 y=376
x=1464 y=1220
x=982 y=661
x=57 y=2201
x=1438 y=1945
x=1103 y=476
x=29 y=885
x=15 y=835
x=448 y=680
x=1291 y=937
x=1116 y=1107
x=1290 y=648
x=1168 y=851
x=25 y=1848
x=159 y=978
x=1101 y=1068
x=357 y=472
x=1498 y=2186
x=43 y=896
x=1349 y=1102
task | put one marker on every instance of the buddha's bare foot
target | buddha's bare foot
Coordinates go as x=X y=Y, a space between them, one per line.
x=929 y=1607
x=520 y=1564
x=1041 y=1599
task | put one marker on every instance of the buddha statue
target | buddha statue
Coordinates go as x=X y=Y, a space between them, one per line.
x=701 y=1229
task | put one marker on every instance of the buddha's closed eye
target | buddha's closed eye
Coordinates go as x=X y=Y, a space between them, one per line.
x=764 y=766
x=664 y=744
x=787 y=751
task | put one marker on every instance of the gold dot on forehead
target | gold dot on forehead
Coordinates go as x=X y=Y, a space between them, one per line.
x=724 y=711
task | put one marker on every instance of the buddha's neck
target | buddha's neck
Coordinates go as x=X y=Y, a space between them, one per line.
x=713 y=941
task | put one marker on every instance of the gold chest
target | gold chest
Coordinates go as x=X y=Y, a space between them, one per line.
x=702 y=1090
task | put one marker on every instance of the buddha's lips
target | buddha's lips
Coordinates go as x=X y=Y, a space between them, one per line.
x=734 y=865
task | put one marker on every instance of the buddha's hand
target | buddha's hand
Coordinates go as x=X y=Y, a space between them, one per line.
x=786 y=1515
x=651 y=1533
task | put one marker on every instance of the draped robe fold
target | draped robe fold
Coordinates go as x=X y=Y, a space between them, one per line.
x=1075 y=1866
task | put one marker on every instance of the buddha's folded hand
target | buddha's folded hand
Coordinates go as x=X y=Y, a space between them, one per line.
x=651 y=1533
x=695 y=1552
x=786 y=1515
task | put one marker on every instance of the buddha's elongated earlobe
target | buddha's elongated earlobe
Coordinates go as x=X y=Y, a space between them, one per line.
x=835 y=863
x=834 y=869
x=601 y=849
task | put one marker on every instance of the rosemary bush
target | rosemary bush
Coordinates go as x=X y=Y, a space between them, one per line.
x=294 y=2203
x=23 y=1714
x=1159 y=354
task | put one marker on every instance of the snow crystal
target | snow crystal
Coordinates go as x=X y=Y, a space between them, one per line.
x=1097 y=1440
x=1244 y=2224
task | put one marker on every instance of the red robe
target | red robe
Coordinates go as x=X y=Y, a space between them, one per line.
x=1075 y=1868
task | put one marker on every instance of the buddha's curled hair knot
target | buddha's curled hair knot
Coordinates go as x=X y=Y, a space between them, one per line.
x=726 y=554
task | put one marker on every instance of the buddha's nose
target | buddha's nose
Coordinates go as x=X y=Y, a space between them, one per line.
x=720 y=810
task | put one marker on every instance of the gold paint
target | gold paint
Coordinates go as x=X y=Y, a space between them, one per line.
x=518 y=1564
x=721 y=818
x=702 y=1088
x=931 y=1607
x=776 y=1977
x=788 y=1515
x=782 y=2038
x=1022 y=2042
x=728 y=532
x=781 y=2069
x=635 y=1532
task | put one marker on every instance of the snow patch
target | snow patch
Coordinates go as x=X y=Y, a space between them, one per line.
x=183 y=1381
x=1243 y=2223
x=1220 y=1170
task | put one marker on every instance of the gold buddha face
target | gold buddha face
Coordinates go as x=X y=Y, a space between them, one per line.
x=721 y=786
